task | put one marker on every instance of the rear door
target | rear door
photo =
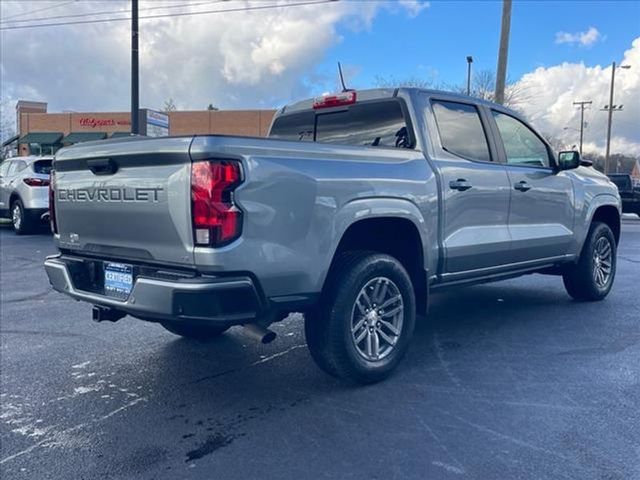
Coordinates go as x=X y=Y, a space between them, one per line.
x=541 y=213
x=475 y=191
x=128 y=199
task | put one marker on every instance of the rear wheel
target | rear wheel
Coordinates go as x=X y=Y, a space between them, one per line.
x=365 y=321
x=194 y=331
x=592 y=277
x=22 y=223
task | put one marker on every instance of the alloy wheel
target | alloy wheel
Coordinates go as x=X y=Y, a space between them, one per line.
x=376 y=319
x=16 y=217
x=602 y=262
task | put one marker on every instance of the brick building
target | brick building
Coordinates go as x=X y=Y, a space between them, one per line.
x=41 y=132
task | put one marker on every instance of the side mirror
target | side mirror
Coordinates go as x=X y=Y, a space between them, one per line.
x=568 y=160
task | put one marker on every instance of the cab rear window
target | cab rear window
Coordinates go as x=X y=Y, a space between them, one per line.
x=369 y=124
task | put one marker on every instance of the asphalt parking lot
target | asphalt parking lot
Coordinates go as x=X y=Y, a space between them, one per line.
x=504 y=381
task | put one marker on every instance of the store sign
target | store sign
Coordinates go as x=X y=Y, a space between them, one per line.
x=157 y=124
x=94 y=122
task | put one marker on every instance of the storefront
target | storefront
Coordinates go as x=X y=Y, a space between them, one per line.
x=43 y=133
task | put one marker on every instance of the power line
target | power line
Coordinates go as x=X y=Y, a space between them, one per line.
x=50 y=7
x=87 y=14
x=179 y=14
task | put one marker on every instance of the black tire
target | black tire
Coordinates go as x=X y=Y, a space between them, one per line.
x=23 y=224
x=581 y=280
x=328 y=328
x=194 y=331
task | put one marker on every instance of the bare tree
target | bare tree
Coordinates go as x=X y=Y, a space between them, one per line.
x=7 y=121
x=482 y=86
x=393 y=82
x=169 y=106
x=7 y=126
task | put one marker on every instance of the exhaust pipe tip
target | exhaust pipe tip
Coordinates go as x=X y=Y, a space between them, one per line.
x=260 y=333
x=269 y=337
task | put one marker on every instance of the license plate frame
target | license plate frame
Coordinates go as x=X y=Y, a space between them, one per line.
x=118 y=280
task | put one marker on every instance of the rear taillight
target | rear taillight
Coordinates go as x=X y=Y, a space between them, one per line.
x=52 y=202
x=36 y=182
x=216 y=219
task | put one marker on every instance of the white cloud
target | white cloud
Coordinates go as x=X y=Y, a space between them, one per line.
x=584 y=39
x=414 y=7
x=551 y=91
x=250 y=59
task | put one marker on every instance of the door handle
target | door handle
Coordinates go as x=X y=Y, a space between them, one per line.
x=522 y=186
x=460 y=184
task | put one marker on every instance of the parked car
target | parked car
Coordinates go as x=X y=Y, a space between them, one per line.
x=24 y=192
x=629 y=188
x=357 y=207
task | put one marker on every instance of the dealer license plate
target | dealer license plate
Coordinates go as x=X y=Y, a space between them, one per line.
x=118 y=280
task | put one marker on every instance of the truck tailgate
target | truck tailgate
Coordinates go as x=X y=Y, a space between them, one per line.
x=126 y=199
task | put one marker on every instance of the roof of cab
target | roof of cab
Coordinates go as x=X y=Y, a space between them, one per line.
x=382 y=93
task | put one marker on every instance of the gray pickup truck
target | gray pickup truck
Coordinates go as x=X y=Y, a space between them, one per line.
x=356 y=207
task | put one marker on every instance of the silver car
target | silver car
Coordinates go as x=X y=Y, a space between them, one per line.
x=24 y=192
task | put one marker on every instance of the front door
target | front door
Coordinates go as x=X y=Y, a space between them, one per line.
x=541 y=213
x=475 y=192
x=4 y=186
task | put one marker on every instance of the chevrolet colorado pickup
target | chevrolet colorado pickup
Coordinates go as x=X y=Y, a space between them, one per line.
x=356 y=207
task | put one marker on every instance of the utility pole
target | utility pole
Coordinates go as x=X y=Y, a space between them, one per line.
x=582 y=105
x=610 y=108
x=469 y=62
x=503 y=51
x=135 y=79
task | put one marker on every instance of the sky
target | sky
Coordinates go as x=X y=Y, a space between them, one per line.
x=559 y=52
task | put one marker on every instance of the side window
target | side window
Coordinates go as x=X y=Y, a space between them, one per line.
x=461 y=131
x=521 y=145
x=4 y=169
x=13 y=169
x=21 y=166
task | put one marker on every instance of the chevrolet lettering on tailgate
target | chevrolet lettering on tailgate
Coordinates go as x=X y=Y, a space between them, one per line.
x=112 y=194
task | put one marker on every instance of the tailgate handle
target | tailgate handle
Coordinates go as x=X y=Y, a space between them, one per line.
x=102 y=166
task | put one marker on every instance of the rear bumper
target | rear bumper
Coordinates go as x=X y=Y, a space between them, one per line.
x=218 y=300
x=34 y=198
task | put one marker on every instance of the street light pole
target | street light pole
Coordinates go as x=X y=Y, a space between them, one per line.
x=135 y=80
x=582 y=104
x=606 y=155
x=469 y=62
x=610 y=108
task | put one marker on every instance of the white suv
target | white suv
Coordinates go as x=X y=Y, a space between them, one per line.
x=24 y=191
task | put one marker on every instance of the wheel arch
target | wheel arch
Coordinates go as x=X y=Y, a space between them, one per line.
x=610 y=215
x=13 y=197
x=396 y=232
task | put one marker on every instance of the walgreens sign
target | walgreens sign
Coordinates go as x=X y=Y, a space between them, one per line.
x=94 y=122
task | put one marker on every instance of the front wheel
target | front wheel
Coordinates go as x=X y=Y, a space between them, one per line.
x=592 y=277
x=194 y=331
x=365 y=320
